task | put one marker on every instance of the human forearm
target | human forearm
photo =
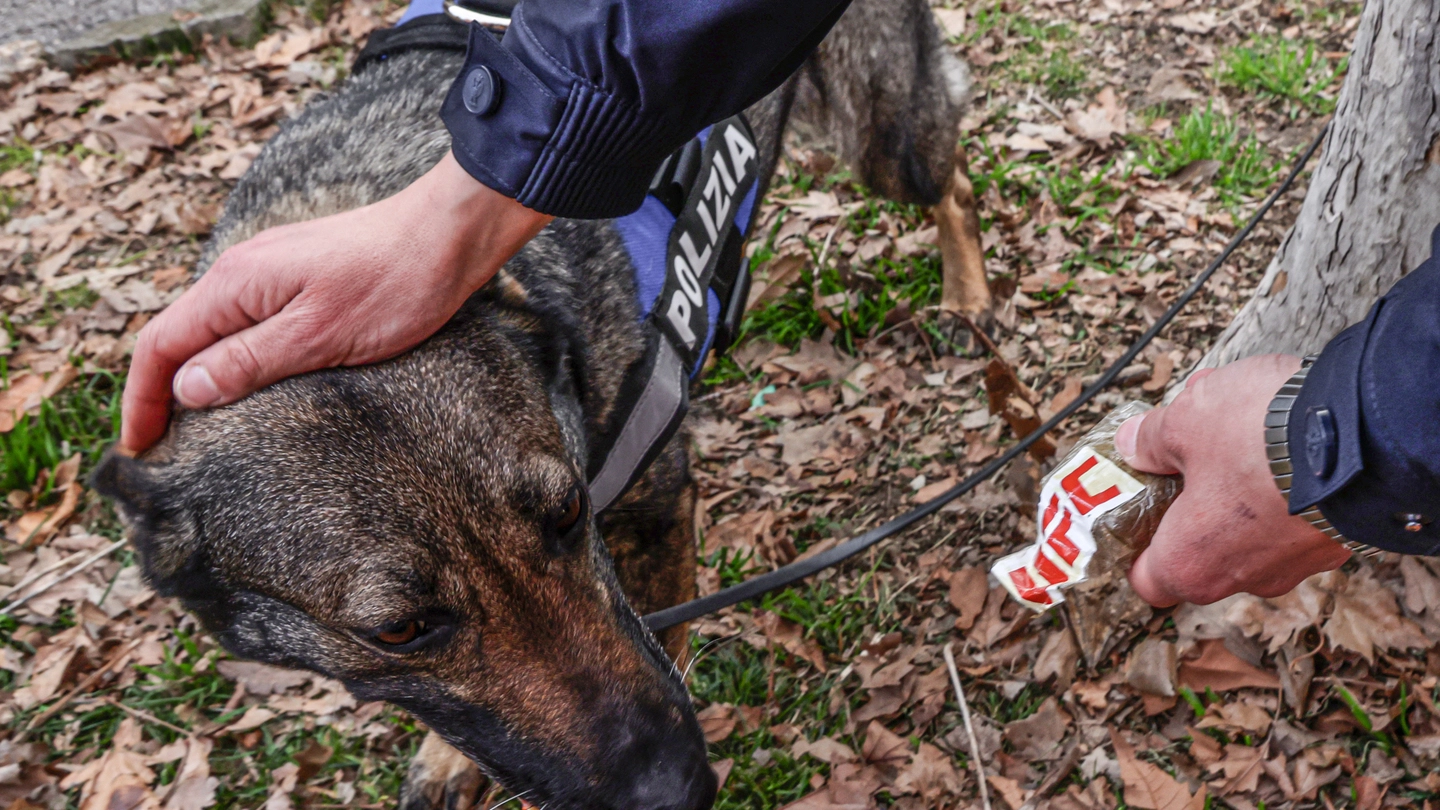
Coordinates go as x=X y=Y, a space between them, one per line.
x=593 y=95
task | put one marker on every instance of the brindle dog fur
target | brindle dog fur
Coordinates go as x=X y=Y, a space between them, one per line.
x=303 y=521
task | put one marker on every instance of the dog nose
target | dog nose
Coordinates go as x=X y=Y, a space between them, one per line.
x=676 y=776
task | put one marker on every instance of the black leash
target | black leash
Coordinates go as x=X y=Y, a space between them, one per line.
x=796 y=571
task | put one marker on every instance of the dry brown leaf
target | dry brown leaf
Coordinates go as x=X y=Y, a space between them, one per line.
x=1151 y=668
x=934 y=489
x=1310 y=778
x=849 y=788
x=1215 y=667
x=1066 y=395
x=968 y=589
x=1009 y=790
x=1422 y=587
x=791 y=637
x=931 y=774
x=23 y=394
x=263 y=679
x=311 y=759
x=1242 y=769
x=883 y=746
x=1058 y=658
x=1194 y=22
x=722 y=771
x=1368 y=794
x=1204 y=749
x=743 y=534
x=1366 y=617
x=1149 y=787
x=51 y=665
x=717 y=721
x=825 y=749
x=952 y=21
x=282 y=783
x=1101 y=121
x=138 y=132
x=1160 y=375
x=1038 y=736
x=117 y=779
x=253 y=718
x=194 y=787
x=1236 y=718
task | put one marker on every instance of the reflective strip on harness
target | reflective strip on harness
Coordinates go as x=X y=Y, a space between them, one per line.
x=692 y=294
x=653 y=418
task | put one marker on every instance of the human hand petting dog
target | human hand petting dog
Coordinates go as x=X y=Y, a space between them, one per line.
x=1230 y=530
x=343 y=290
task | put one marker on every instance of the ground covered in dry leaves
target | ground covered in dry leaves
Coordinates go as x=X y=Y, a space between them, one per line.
x=1115 y=145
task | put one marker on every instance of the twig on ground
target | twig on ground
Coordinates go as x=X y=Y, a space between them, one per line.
x=32 y=578
x=979 y=334
x=86 y=563
x=969 y=727
x=824 y=314
x=82 y=687
x=147 y=717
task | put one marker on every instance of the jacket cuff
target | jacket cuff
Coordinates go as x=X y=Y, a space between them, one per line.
x=1367 y=465
x=564 y=148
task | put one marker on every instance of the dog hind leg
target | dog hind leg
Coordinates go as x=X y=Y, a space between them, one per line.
x=964 y=287
x=440 y=778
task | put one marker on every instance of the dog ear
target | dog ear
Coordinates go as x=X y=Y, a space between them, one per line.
x=154 y=510
x=126 y=481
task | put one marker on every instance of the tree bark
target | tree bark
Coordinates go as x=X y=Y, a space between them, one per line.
x=1374 y=197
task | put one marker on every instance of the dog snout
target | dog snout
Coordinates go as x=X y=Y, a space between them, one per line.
x=672 y=773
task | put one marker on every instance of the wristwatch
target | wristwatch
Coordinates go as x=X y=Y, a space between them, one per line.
x=1277 y=450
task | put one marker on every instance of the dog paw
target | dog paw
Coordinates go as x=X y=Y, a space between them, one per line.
x=958 y=335
x=440 y=778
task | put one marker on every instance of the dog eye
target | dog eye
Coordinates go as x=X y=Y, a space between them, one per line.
x=571 y=512
x=398 y=634
x=567 y=524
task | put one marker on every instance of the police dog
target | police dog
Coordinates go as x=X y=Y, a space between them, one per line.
x=419 y=528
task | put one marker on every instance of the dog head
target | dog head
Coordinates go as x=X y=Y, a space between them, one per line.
x=885 y=93
x=419 y=530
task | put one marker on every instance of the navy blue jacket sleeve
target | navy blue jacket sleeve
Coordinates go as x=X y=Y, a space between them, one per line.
x=593 y=94
x=1373 y=463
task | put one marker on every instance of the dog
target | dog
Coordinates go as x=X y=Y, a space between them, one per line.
x=419 y=529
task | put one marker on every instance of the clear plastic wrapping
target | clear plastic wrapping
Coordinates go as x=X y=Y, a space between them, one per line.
x=1095 y=515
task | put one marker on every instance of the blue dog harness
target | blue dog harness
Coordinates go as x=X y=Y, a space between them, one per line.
x=685 y=242
x=692 y=281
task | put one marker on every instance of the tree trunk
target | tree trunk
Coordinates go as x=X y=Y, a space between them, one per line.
x=1373 y=200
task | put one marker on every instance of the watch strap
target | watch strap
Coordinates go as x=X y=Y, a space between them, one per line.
x=1277 y=452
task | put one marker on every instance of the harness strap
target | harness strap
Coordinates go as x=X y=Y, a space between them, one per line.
x=707 y=189
x=653 y=400
x=430 y=32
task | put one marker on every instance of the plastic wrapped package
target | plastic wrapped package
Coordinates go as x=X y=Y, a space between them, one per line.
x=1096 y=514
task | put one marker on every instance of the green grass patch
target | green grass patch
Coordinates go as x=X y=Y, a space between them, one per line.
x=1284 y=70
x=1058 y=72
x=186 y=691
x=1014 y=27
x=13 y=155
x=83 y=418
x=1245 y=166
x=731 y=671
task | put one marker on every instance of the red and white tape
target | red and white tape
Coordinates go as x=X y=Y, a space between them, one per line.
x=1074 y=496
